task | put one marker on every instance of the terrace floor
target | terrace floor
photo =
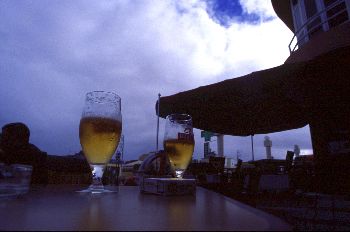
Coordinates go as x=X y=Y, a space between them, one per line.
x=303 y=210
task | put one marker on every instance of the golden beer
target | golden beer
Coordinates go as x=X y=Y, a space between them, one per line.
x=179 y=152
x=99 y=138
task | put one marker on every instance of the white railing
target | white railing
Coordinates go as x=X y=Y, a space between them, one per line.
x=300 y=34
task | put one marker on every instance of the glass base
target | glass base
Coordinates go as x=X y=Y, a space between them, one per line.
x=93 y=190
x=179 y=173
x=97 y=187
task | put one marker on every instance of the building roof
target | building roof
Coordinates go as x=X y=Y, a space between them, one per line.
x=132 y=163
x=283 y=11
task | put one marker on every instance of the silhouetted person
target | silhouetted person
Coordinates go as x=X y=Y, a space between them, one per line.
x=15 y=148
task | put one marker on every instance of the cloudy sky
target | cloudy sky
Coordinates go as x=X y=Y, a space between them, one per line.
x=53 y=52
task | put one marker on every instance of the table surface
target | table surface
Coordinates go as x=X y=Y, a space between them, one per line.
x=61 y=208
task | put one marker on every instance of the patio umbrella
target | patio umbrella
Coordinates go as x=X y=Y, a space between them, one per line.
x=285 y=97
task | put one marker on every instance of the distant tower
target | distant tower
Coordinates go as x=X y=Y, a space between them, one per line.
x=268 y=145
x=296 y=150
x=220 y=144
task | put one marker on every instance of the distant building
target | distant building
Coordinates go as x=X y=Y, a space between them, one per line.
x=322 y=29
x=79 y=155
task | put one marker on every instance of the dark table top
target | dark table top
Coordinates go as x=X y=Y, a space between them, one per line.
x=57 y=207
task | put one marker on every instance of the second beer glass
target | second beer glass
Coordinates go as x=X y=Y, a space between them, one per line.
x=179 y=142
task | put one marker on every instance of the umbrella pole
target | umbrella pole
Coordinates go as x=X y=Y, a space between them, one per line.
x=252 y=143
x=158 y=121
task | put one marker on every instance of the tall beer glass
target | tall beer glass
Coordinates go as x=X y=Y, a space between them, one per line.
x=179 y=142
x=99 y=132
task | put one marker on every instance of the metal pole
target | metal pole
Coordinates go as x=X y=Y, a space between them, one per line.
x=122 y=148
x=158 y=120
x=252 y=142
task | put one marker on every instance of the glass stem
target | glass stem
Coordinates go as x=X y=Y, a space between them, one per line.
x=97 y=172
x=179 y=173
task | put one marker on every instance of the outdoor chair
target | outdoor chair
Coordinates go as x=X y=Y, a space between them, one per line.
x=237 y=177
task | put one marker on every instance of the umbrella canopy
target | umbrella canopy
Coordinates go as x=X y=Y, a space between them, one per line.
x=276 y=99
